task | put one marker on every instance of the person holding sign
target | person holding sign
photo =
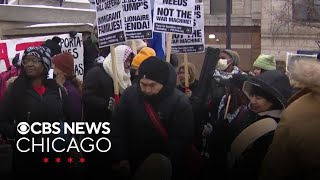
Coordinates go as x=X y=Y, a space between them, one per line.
x=98 y=93
x=153 y=117
x=232 y=108
x=98 y=85
x=193 y=82
x=226 y=67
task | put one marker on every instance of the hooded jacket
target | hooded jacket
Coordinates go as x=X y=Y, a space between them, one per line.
x=134 y=137
x=294 y=152
x=121 y=55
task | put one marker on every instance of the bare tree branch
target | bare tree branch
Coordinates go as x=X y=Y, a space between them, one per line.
x=295 y=13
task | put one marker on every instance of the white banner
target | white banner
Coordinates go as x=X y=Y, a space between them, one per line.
x=110 y=22
x=137 y=19
x=10 y=48
x=174 y=16
x=196 y=41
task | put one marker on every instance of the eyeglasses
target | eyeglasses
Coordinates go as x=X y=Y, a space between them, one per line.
x=32 y=60
x=179 y=72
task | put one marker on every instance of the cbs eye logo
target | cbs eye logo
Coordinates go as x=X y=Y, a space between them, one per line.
x=23 y=128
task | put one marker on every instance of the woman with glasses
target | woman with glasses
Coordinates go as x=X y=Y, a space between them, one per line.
x=32 y=98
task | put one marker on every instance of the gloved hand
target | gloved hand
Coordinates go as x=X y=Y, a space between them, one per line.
x=99 y=59
x=207 y=129
x=112 y=104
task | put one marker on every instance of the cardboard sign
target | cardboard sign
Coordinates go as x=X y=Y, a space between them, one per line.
x=195 y=42
x=110 y=22
x=175 y=16
x=10 y=48
x=137 y=19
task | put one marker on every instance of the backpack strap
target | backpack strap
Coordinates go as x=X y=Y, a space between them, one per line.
x=157 y=124
x=250 y=135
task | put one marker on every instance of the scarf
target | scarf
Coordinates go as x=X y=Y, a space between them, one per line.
x=123 y=76
x=227 y=75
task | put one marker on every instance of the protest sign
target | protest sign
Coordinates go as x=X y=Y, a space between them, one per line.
x=137 y=19
x=291 y=64
x=175 y=16
x=110 y=23
x=196 y=41
x=10 y=48
x=292 y=58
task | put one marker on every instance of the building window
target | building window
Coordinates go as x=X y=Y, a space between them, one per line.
x=218 y=7
x=306 y=10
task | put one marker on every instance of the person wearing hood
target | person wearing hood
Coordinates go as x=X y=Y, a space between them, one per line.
x=294 y=152
x=92 y=52
x=98 y=84
x=143 y=54
x=264 y=63
x=98 y=90
x=152 y=117
x=193 y=82
x=252 y=134
x=139 y=44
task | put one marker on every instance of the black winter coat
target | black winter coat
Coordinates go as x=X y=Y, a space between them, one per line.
x=51 y=107
x=134 y=137
x=248 y=167
x=97 y=90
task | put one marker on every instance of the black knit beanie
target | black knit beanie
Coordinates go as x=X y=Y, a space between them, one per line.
x=53 y=45
x=155 y=69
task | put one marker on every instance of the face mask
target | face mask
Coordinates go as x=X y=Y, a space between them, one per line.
x=222 y=64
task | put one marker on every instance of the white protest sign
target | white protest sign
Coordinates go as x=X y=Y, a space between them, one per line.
x=110 y=23
x=191 y=43
x=10 y=48
x=291 y=64
x=137 y=19
x=292 y=58
x=175 y=16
